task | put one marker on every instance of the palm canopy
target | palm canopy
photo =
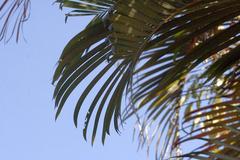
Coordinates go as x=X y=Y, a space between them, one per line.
x=175 y=61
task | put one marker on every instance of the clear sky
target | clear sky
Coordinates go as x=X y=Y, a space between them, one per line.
x=27 y=127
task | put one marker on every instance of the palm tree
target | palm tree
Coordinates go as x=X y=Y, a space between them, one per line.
x=175 y=63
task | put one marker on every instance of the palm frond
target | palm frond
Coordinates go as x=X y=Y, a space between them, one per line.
x=181 y=48
x=13 y=14
x=171 y=58
x=84 y=53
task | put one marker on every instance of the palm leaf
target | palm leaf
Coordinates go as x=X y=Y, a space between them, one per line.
x=172 y=56
x=13 y=14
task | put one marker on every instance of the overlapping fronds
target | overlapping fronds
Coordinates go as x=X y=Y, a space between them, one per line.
x=13 y=13
x=177 y=62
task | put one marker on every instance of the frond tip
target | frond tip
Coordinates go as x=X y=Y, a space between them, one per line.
x=13 y=14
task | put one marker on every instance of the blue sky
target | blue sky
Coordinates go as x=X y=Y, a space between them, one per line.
x=27 y=127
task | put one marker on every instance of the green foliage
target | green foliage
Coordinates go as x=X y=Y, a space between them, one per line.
x=177 y=62
x=174 y=62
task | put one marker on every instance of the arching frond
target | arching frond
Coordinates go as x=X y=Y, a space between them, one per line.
x=171 y=58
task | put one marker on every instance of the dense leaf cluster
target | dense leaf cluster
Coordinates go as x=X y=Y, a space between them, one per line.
x=177 y=63
x=174 y=62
